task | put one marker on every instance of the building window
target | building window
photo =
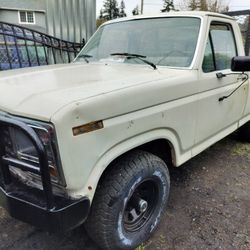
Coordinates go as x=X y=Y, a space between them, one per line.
x=27 y=17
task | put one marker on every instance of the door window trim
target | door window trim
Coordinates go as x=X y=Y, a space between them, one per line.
x=212 y=45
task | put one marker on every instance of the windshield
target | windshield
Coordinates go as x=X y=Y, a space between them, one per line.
x=168 y=41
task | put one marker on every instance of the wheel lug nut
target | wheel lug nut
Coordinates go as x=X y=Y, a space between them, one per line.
x=143 y=205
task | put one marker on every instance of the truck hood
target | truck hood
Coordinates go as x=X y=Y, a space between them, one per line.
x=40 y=92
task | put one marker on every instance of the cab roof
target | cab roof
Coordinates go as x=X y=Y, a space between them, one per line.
x=172 y=14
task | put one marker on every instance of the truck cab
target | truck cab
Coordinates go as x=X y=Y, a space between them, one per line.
x=91 y=142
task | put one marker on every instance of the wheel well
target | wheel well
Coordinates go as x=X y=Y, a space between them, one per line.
x=161 y=148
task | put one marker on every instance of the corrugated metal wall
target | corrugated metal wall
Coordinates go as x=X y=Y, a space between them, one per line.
x=71 y=20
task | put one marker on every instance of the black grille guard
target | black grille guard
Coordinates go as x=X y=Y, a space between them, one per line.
x=42 y=209
x=42 y=156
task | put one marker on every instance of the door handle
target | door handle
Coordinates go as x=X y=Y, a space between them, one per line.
x=220 y=75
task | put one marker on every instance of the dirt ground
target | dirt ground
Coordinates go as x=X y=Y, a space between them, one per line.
x=209 y=208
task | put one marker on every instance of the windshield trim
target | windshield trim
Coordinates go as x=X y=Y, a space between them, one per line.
x=191 y=66
x=198 y=44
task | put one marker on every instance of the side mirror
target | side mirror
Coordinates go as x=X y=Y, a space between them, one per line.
x=240 y=63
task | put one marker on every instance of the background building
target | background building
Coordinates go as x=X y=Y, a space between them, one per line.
x=71 y=20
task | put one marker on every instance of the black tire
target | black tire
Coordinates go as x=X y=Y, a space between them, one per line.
x=244 y=132
x=129 y=201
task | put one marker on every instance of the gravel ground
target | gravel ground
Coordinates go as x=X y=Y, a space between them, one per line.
x=209 y=208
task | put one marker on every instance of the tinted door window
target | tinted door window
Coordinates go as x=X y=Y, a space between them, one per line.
x=221 y=48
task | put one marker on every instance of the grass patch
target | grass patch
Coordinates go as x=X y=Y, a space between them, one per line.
x=241 y=150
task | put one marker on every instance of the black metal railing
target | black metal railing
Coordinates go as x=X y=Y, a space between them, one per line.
x=22 y=47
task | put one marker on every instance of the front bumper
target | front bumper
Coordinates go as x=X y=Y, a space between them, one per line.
x=40 y=208
x=28 y=206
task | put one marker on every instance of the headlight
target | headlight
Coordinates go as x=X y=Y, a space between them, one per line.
x=19 y=146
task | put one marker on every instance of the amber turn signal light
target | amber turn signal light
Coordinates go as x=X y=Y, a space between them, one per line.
x=89 y=127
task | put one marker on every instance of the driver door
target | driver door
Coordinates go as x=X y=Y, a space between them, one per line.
x=216 y=119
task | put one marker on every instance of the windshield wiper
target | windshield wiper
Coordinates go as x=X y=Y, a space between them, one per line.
x=85 y=56
x=135 y=56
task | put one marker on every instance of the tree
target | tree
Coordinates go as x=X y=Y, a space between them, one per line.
x=122 y=9
x=207 y=5
x=101 y=14
x=192 y=5
x=244 y=23
x=216 y=6
x=100 y=20
x=110 y=10
x=203 y=5
x=135 y=11
x=168 y=6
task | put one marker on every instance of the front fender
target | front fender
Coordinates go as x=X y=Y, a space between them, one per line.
x=124 y=146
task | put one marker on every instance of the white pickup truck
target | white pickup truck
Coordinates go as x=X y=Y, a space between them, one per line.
x=90 y=142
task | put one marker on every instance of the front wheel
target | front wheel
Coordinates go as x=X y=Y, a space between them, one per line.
x=129 y=201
